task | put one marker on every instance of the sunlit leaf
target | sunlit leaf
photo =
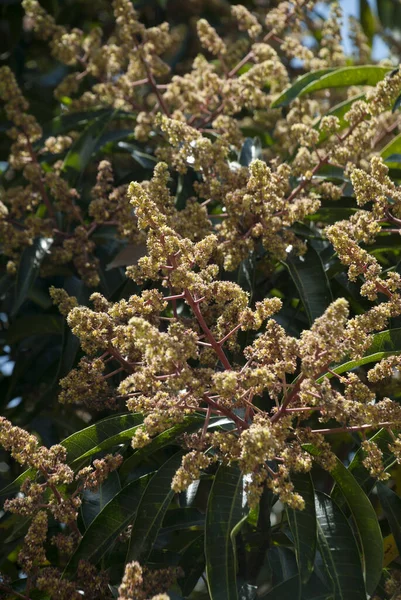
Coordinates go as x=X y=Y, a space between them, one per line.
x=339 y=551
x=295 y=89
x=309 y=276
x=28 y=269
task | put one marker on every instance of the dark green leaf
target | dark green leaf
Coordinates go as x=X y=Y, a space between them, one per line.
x=367 y=525
x=28 y=269
x=391 y=153
x=284 y=589
x=101 y=436
x=364 y=516
x=182 y=518
x=367 y=20
x=64 y=123
x=192 y=562
x=397 y=104
x=391 y=504
x=225 y=510
x=94 y=502
x=160 y=441
x=82 y=149
x=109 y=523
x=387 y=13
x=151 y=510
x=303 y=525
x=386 y=343
x=382 y=438
x=34 y=325
x=339 y=551
x=311 y=281
x=147 y=161
x=98 y=437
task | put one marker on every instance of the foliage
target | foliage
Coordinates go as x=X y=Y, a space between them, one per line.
x=210 y=198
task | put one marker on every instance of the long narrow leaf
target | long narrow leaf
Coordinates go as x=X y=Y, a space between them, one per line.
x=386 y=343
x=225 y=510
x=82 y=149
x=188 y=425
x=368 y=528
x=391 y=504
x=311 y=281
x=294 y=90
x=339 y=551
x=347 y=76
x=151 y=510
x=382 y=438
x=94 y=502
x=83 y=444
x=28 y=269
x=303 y=525
x=109 y=523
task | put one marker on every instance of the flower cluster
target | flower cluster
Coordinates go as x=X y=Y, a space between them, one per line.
x=143 y=584
x=156 y=353
x=189 y=343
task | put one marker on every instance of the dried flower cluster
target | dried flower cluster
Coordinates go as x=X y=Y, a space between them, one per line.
x=174 y=350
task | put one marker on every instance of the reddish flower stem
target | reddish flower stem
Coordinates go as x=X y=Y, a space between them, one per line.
x=229 y=334
x=209 y=335
x=125 y=364
x=352 y=428
x=220 y=409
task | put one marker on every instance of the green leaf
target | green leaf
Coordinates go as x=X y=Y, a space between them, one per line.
x=391 y=504
x=303 y=525
x=101 y=436
x=94 y=502
x=330 y=212
x=82 y=149
x=151 y=510
x=284 y=589
x=225 y=510
x=397 y=104
x=189 y=424
x=28 y=269
x=80 y=445
x=367 y=20
x=182 y=518
x=368 y=527
x=109 y=523
x=34 y=325
x=347 y=76
x=146 y=161
x=64 y=123
x=391 y=153
x=294 y=90
x=311 y=281
x=339 y=551
x=387 y=11
x=382 y=438
x=364 y=516
x=192 y=562
x=386 y=343
x=339 y=111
